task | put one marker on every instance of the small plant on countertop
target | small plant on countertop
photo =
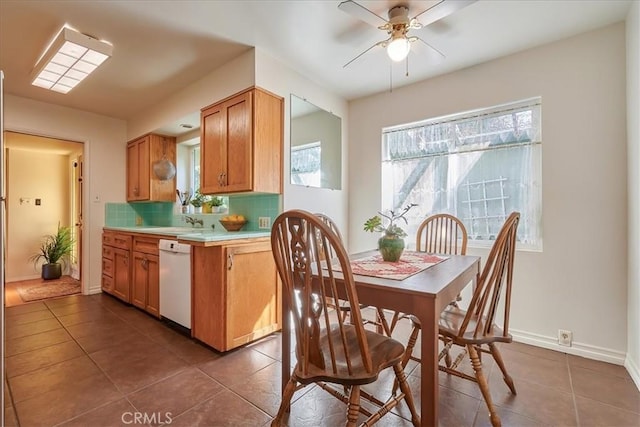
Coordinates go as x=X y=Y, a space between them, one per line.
x=215 y=201
x=198 y=199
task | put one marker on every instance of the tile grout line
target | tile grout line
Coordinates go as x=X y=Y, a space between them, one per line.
x=573 y=392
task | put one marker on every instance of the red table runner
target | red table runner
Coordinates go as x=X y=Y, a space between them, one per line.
x=410 y=263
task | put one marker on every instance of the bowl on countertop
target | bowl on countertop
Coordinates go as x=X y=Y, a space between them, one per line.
x=232 y=225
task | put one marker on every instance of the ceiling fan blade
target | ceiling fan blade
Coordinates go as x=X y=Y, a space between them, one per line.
x=362 y=13
x=382 y=43
x=441 y=10
x=415 y=38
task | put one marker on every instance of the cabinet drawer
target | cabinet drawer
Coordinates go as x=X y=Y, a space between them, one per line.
x=147 y=245
x=107 y=252
x=107 y=267
x=107 y=284
x=118 y=240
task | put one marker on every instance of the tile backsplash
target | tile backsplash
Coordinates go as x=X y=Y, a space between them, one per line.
x=252 y=206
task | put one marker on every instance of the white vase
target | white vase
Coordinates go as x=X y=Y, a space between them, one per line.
x=197 y=209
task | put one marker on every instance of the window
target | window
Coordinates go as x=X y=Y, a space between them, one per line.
x=194 y=166
x=479 y=166
x=305 y=164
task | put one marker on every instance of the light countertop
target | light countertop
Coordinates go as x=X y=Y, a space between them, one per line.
x=192 y=234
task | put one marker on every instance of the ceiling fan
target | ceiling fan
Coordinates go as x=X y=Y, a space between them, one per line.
x=398 y=43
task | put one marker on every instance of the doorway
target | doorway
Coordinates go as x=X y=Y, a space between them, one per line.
x=43 y=179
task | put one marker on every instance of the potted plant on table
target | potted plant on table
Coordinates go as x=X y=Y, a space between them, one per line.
x=55 y=250
x=391 y=244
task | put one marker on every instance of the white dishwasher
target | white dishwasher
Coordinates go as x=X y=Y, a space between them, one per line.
x=175 y=281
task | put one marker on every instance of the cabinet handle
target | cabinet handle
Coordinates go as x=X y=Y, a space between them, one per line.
x=220 y=181
x=224 y=179
x=145 y=263
x=229 y=261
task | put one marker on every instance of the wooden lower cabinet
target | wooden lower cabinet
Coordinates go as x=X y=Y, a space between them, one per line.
x=121 y=275
x=145 y=290
x=236 y=294
x=116 y=269
x=145 y=275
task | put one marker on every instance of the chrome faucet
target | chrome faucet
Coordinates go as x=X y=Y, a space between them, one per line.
x=193 y=221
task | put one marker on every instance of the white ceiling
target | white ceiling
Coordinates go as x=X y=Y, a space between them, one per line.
x=162 y=46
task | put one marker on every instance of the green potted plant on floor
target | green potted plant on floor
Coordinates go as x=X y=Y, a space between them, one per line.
x=391 y=244
x=55 y=250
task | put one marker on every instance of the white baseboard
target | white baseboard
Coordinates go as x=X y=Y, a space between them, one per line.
x=633 y=370
x=96 y=290
x=21 y=278
x=577 y=349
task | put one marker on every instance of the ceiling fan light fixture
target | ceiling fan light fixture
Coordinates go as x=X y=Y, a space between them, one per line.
x=68 y=60
x=398 y=48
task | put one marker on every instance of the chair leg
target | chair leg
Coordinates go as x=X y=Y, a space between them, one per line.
x=407 y=352
x=382 y=325
x=287 y=395
x=484 y=386
x=498 y=358
x=401 y=379
x=394 y=321
x=353 y=409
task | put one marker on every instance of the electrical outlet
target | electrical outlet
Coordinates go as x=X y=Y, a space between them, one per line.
x=565 y=337
x=264 y=222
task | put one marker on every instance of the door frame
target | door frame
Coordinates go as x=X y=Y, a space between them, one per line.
x=83 y=243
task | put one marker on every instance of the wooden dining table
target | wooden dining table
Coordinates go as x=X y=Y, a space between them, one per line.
x=424 y=294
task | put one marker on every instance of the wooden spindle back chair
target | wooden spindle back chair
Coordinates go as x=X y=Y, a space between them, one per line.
x=442 y=234
x=380 y=322
x=328 y=349
x=475 y=329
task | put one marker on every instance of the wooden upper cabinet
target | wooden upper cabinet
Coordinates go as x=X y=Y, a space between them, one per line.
x=241 y=144
x=142 y=183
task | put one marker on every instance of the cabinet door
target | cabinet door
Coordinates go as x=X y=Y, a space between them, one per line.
x=153 y=285
x=226 y=146
x=253 y=299
x=138 y=170
x=239 y=170
x=139 y=278
x=133 y=177
x=213 y=149
x=145 y=283
x=121 y=274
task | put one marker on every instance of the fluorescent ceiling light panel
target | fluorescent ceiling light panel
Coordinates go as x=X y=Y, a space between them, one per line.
x=68 y=60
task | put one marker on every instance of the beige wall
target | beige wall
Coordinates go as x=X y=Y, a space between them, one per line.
x=633 y=167
x=104 y=141
x=31 y=175
x=277 y=77
x=579 y=281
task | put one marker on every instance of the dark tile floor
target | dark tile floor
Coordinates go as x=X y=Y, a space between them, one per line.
x=93 y=361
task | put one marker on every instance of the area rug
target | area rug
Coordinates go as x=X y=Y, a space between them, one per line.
x=44 y=290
